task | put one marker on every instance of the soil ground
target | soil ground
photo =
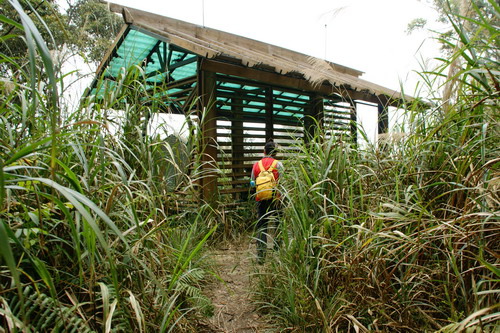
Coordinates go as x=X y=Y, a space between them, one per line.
x=234 y=309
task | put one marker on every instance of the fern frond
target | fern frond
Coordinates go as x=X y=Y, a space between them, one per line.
x=41 y=313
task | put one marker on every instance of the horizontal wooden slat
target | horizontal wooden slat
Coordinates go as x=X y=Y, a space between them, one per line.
x=250 y=144
x=302 y=106
x=238 y=93
x=257 y=136
x=254 y=82
x=235 y=182
x=182 y=92
x=337 y=116
x=336 y=105
x=180 y=99
x=236 y=165
x=246 y=128
x=240 y=105
x=182 y=83
x=335 y=126
x=233 y=190
x=232 y=79
x=227 y=149
x=247 y=158
x=258 y=117
x=337 y=110
x=237 y=174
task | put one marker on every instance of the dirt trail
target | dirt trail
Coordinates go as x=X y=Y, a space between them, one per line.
x=231 y=298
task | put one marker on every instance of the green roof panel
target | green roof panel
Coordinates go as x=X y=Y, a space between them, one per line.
x=160 y=61
x=132 y=51
x=139 y=48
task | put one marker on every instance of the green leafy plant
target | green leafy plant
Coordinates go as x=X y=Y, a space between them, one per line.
x=400 y=237
x=87 y=231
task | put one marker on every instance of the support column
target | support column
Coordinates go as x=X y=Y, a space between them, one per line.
x=237 y=139
x=383 y=119
x=315 y=116
x=269 y=115
x=207 y=82
x=354 y=122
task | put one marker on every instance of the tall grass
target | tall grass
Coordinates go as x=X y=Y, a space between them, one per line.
x=88 y=238
x=403 y=237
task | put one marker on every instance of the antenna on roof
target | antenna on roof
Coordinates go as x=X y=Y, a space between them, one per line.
x=203 y=12
x=326 y=39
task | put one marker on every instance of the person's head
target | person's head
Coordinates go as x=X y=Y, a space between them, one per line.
x=270 y=149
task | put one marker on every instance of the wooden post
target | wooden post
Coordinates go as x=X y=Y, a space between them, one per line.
x=237 y=137
x=383 y=119
x=315 y=117
x=269 y=114
x=354 y=121
x=207 y=82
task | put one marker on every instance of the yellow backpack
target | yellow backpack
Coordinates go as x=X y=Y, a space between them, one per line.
x=265 y=182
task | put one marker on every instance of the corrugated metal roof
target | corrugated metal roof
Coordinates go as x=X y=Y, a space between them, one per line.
x=211 y=43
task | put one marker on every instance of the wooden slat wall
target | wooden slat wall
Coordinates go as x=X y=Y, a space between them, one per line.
x=249 y=113
x=337 y=118
x=240 y=133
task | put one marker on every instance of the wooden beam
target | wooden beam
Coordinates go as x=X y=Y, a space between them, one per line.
x=208 y=118
x=182 y=63
x=111 y=52
x=292 y=82
x=153 y=51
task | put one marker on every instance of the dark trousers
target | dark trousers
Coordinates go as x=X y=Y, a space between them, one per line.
x=267 y=209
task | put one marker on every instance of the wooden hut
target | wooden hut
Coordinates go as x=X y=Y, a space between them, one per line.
x=249 y=91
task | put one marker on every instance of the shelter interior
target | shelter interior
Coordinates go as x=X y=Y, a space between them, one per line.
x=243 y=92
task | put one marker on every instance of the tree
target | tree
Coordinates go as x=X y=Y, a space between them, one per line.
x=470 y=11
x=13 y=43
x=86 y=27
x=470 y=43
x=93 y=27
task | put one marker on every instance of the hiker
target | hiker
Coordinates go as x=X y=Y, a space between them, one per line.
x=265 y=174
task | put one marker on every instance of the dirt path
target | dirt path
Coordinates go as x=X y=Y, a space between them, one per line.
x=231 y=298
